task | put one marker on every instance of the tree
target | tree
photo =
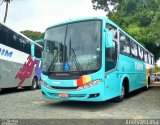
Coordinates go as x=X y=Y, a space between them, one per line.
x=157 y=69
x=6 y=10
x=33 y=34
x=139 y=18
x=105 y=5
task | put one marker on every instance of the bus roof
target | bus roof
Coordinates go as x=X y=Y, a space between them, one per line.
x=76 y=20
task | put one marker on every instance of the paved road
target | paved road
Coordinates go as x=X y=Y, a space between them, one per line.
x=24 y=104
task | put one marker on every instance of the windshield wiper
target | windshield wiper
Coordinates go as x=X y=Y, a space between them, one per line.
x=74 y=58
x=53 y=61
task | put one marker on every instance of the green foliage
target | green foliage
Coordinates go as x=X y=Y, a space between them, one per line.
x=157 y=69
x=139 y=18
x=104 y=4
x=33 y=34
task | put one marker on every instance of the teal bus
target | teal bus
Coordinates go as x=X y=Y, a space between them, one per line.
x=93 y=59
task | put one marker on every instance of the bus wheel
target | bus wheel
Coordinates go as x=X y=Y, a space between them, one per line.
x=34 y=84
x=121 y=97
x=0 y=90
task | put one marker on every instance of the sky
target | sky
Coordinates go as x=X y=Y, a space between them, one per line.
x=37 y=15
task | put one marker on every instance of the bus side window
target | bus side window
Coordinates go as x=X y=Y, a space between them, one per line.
x=145 y=57
x=111 y=53
x=134 y=50
x=112 y=29
x=140 y=53
x=38 y=51
x=149 y=59
x=124 y=44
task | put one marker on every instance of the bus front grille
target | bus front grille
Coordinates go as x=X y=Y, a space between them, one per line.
x=55 y=87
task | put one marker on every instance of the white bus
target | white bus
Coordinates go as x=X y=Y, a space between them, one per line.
x=17 y=68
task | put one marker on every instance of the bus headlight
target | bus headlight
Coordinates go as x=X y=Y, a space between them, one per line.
x=90 y=84
x=46 y=85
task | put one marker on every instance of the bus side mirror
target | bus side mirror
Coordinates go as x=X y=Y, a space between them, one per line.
x=109 y=40
x=35 y=45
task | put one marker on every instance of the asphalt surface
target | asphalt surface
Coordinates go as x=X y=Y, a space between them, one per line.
x=27 y=104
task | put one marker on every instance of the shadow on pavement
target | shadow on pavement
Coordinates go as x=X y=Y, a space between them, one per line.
x=90 y=105
x=13 y=90
x=135 y=93
x=73 y=105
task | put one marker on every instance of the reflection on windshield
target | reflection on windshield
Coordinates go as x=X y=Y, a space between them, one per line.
x=72 y=47
x=74 y=59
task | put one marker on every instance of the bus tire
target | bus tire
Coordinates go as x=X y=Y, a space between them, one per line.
x=124 y=91
x=34 y=84
x=121 y=97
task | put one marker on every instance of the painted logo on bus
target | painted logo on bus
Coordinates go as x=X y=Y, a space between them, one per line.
x=138 y=66
x=26 y=70
x=6 y=53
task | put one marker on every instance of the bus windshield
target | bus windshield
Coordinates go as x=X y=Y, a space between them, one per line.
x=72 y=47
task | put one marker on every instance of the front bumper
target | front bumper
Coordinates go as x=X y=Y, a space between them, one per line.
x=95 y=93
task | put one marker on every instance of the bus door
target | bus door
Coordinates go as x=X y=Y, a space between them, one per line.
x=111 y=52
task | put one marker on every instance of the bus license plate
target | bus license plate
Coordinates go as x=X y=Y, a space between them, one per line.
x=63 y=95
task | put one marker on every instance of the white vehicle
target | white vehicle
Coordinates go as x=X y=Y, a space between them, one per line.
x=157 y=77
x=17 y=68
